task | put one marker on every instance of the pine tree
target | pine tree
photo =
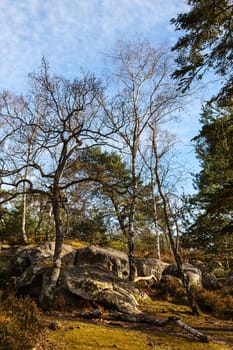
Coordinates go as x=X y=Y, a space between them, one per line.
x=214 y=201
x=206 y=45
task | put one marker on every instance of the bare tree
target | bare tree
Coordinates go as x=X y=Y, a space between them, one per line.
x=61 y=114
x=168 y=172
x=169 y=217
x=144 y=92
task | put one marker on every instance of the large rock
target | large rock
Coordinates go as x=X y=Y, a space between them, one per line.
x=198 y=263
x=150 y=266
x=210 y=281
x=193 y=274
x=111 y=259
x=30 y=263
x=96 y=283
x=92 y=273
x=40 y=255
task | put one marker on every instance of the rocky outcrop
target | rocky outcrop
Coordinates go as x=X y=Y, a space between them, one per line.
x=150 y=266
x=193 y=274
x=96 y=274
x=91 y=273
x=96 y=283
x=111 y=259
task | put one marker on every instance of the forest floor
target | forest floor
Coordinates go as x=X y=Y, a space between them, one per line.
x=70 y=332
x=73 y=333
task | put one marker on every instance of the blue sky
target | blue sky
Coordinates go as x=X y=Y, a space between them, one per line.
x=76 y=33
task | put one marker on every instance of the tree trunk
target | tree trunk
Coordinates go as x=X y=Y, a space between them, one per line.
x=132 y=268
x=143 y=318
x=155 y=219
x=131 y=233
x=24 y=209
x=50 y=283
x=165 y=203
x=24 y=216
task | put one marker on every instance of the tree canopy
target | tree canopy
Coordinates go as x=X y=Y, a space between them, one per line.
x=213 y=203
x=206 y=45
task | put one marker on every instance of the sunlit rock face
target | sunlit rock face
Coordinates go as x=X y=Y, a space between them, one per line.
x=193 y=274
x=150 y=266
x=92 y=273
x=111 y=259
x=96 y=283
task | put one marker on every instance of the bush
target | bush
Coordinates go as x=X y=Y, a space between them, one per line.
x=171 y=289
x=221 y=273
x=20 y=323
x=214 y=302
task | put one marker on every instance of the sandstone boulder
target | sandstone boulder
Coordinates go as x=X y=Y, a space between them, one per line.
x=193 y=274
x=92 y=273
x=95 y=283
x=40 y=255
x=216 y=265
x=111 y=259
x=210 y=281
x=150 y=266
x=198 y=263
x=30 y=263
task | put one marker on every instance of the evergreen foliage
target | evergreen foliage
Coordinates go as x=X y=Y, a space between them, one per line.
x=206 y=45
x=213 y=204
x=10 y=224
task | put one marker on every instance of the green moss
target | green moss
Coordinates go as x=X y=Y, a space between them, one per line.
x=76 y=244
x=84 y=336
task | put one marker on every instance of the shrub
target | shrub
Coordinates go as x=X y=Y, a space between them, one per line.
x=221 y=273
x=206 y=299
x=20 y=323
x=171 y=289
x=215 y=302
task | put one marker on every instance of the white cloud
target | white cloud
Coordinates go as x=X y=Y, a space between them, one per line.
x=73 y=33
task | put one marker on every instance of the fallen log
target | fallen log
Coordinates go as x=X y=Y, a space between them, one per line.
x=142 y=318
x=202 y=337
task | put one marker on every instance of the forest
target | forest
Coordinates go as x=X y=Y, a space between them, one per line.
x=95 y=161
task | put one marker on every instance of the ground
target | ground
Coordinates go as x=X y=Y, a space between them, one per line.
x=67 y=331
x=72 y=333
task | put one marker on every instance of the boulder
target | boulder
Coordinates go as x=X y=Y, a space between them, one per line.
x=216 y=265
x=95 y=283
x=193 y=274
x=92 y=273
x=111 y=259
x=198 y=263
x=30 y=263
x=150 y=266
x=40 y=255
x=210 y=281
x=229 y=278
x=169 y=284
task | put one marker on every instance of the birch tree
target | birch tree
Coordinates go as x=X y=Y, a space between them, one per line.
x=168 y=215
x=143 y=91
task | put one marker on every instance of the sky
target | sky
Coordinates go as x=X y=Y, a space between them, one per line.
x=74 y=34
